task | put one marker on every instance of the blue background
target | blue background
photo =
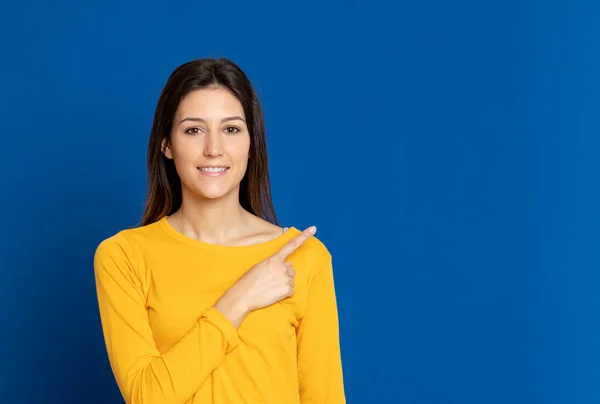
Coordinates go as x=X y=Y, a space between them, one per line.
x=447 y=151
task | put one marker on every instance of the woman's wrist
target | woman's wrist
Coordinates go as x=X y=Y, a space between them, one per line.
x=234 y=309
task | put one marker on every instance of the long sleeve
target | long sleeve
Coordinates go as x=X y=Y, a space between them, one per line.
x=319 y=359
x=143 y=374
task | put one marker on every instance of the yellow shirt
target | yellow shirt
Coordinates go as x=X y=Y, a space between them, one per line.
x=167 y=344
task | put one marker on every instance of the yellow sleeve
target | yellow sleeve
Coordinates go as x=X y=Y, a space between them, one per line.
x=143 y=374
x=319 y=359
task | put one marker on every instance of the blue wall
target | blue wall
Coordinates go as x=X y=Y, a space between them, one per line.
x=447 y=151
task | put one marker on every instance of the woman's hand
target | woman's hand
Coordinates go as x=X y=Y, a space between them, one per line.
x=265 y=283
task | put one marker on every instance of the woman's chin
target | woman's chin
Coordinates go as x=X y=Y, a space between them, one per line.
x=213 y=194
x=201 y=190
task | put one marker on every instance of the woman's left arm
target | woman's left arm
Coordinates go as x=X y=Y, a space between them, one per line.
x=319 y=358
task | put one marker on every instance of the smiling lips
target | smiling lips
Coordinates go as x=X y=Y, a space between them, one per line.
x=213 y=171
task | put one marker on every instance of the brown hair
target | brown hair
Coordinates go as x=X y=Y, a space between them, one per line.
x=164 y=184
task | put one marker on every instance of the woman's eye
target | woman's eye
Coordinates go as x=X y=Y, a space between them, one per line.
x=192 y=131
x=231 y=130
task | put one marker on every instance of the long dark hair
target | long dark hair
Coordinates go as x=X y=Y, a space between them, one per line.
x=164 y=184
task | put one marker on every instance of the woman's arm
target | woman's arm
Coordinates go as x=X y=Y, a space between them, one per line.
x=143 y=374
x=319 y=359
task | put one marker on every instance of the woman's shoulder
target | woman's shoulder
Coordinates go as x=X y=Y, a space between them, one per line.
x=123 y=241
x=314 y=247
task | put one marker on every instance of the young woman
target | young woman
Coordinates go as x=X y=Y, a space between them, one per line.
x=209 y=300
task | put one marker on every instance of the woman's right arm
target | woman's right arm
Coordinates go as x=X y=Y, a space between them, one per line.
x=143 y=374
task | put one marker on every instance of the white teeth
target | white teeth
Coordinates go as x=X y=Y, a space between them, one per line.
x=214 y=170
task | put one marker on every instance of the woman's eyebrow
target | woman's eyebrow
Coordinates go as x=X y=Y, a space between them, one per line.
x=195 y=119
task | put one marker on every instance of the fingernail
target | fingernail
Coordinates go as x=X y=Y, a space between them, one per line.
x=312 y=229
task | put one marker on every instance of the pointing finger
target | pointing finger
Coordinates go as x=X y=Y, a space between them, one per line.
x=296 y=242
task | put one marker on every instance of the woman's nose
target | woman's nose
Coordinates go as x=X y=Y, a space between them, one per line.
x=213 y=145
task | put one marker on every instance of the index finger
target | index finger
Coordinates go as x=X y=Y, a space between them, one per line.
x=296 y=242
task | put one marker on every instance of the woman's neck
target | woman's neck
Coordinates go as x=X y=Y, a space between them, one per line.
x=212 y=221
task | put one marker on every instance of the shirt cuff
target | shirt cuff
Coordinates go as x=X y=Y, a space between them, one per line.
x=222 y=323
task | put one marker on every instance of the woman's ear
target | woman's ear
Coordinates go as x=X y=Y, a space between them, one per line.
x=166 y=148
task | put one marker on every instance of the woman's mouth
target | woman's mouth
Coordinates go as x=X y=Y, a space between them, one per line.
x=213 y=171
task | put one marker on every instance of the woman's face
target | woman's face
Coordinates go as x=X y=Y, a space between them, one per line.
x=209 y=143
